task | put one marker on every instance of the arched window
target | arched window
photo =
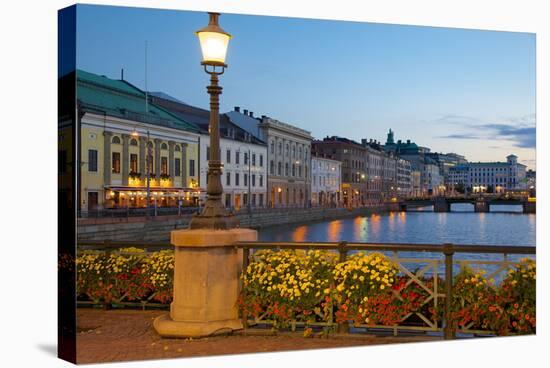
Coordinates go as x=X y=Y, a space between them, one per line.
x=116 y=140
x=133 y=142
x=163 y=146
x=150 y=144
x=177 y=148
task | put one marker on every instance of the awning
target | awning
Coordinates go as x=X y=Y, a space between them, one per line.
x=122 y=188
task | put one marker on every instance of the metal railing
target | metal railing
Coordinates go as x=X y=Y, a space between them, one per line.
x=415 y=262
x=441 y=255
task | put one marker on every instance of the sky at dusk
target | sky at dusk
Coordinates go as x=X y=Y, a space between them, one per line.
x=453 y=90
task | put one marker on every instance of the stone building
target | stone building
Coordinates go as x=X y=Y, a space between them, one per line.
x=288 y=158
x=244 y=156
x=353 y=157
x=494 y=177
x=122 y=136
x=326 y=181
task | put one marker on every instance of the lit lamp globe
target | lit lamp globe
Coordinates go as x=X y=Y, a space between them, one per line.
x=214 y=42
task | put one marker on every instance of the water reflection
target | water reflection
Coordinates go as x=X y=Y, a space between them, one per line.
x=415 y=227
x=333 y=231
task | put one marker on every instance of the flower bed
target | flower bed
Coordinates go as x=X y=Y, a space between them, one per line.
x=128 y=275
x=283 y=287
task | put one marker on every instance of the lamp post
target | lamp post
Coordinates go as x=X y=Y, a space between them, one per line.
x=214 y=42
x=147 y=170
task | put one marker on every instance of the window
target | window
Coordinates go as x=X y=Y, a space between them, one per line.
x=177 y=148
x=271 y=167
x=191 y=167
x=294 y=151
x=246 y=158
x=133 y=162
x=286 y=169
x=177 y=167
x=254 y=200
x=92 y=160
x=253 y=159
x=280 y=148
x=261 y=160
x=287 y=150
x=115 y=140
x=245 y=180
x=279 y=166
x=293 y=170
x=272 y=147
x=245 y=199
x=163 y=146
x=261 y=201
x=207 y=153
x=228 y=156
x=228 y=200
x=236 y=179
x=164 y=165
x=253 y=180
x=237 y=157
x=228 y=179
x=133 y=142
x=116 y=163
x=300 y=171
x=261 y=180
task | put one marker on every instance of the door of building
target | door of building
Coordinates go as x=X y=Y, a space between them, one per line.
x=92 y=201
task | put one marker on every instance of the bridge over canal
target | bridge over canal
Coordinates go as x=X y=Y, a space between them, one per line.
x=481 y=204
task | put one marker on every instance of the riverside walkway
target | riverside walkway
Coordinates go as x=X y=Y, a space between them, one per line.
x=123 y=335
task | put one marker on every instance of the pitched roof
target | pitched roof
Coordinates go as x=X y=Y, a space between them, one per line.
x=118 y=98
x=201 y=118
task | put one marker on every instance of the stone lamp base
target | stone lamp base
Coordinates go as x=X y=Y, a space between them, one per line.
x=206 y=283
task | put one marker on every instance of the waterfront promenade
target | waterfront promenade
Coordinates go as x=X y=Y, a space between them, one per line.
x=122 y=335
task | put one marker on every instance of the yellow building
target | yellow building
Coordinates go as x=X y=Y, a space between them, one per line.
x=124 y=140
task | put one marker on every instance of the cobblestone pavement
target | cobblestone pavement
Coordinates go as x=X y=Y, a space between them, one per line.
x=122 y=335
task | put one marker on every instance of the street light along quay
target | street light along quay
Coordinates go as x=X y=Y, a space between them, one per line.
x=214 y=41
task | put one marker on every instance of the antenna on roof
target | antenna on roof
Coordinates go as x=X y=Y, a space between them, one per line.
x=146 y=96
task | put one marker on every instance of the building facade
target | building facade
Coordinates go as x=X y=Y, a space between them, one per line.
x=326 y=181
x=492 y=177
x=353 y=157
x=244 y=156
x=404 y=178
x=122 y=138
x=288 y=158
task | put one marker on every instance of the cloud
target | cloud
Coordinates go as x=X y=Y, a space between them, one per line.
x=460 y=136
x=519 y=130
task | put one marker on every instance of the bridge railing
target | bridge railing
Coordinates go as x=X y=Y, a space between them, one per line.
x=429 y=269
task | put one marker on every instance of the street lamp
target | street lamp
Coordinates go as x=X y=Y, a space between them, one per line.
x=214 y=41
x=148 y=170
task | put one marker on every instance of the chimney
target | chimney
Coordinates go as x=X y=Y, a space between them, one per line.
x=399 y=141
x=245 y=111
x=263 y=117
x=122 y=74
x=251 y=114
x=237 y=108
x=408 y=141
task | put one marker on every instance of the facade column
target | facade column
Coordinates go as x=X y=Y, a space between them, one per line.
x=107 y=136
x=156 y=169
x=125 y=158
x=184 y=175
x=171 y=168
x=142 y=159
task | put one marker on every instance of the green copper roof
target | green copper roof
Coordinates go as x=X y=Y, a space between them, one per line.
x=118 y=98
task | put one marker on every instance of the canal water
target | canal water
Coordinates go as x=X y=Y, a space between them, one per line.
x=504 y=225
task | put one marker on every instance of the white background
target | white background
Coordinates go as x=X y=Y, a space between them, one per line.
x=28 y=80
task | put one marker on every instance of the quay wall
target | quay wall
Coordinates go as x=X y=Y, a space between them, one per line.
x=158 y=228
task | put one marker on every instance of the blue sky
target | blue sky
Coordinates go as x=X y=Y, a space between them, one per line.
x=453 y=90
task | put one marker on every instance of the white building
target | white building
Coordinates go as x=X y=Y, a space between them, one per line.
x=326 y=180
x=244 y=157
x=288 y=157
x=489 y=176
x=404 y=178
